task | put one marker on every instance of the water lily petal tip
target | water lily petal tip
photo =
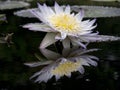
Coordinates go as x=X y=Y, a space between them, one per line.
x=56 y=4
x=38 y=4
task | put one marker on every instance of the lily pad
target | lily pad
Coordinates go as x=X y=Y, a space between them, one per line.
x=107 y=0
x=90 y=11
x=12 y=4
x=25 y=13
x=98 y=11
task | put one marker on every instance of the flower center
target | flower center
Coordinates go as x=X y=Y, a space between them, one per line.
x=64 y=22
x=66 y=68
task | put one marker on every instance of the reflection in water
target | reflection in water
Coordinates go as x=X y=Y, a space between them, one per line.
x=71 y=60
x=116 y=76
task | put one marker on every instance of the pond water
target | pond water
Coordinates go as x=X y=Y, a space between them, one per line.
x=14 y=75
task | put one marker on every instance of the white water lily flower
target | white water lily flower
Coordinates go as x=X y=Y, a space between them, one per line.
x=64 y=65
x=61 y=22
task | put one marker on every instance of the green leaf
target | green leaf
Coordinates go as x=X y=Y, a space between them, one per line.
x=98 y=11
x=89 y=11
x=25 y=13
x=12 y=4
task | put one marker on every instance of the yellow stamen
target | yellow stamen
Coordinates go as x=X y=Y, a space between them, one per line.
x=64 y=22
x=66 y=68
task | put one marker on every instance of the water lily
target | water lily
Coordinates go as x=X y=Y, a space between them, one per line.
x=64 y=65
x=61 y=24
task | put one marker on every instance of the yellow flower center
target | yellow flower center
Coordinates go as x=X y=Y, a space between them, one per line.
x=65 y=22
x=66 y=68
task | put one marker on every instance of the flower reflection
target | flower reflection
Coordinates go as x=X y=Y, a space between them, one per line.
x=60 y=65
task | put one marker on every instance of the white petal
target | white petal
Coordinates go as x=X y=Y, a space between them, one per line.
x=48 y=40
x=35 y=13
x=75 y=52
x=79 y=52
x=66 y=47
x=81 y=69
x=99 y=38
x=35 y=64
x=85 y=22
x=68 y=75
x=84 y=32
x=58 y=9
x=92 y=22
x=87 y=51
x=39 y=15
x=51 y=12
x=93 y=57
x=80 y=15
x=35 y=74
x=38 y=27
x=94 y=63
x=92 y=27
x=67 y=9
x=60 y=36
x=47 y=10
x=78 y=43
x=74 y=44
x=86 y=64
x=44 y=77
x=83 y=62
x=50 y=54
x=66 y=43
x=57 y=77
x=40 y=7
